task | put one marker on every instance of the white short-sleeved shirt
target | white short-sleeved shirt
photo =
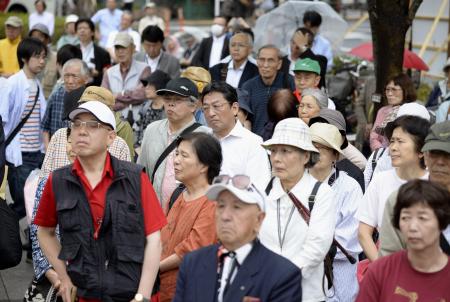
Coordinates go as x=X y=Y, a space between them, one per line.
x=371 y=208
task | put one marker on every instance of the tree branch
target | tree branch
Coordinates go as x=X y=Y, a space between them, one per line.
x=413 y=10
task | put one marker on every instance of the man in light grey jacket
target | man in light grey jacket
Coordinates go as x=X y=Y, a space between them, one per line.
x=180 y=96
x=154 y=56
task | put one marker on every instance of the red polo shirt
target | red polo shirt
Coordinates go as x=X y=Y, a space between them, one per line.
x=154 y=218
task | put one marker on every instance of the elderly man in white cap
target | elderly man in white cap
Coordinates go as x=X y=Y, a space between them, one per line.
x=123 y=79
x=108 y=215
x=70 y=34
x=248 y=271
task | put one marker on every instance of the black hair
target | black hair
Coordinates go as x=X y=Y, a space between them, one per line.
x=152 y=33
x=244 y=30
x=89 y=23
x=407 y=86
x=208 y=151
x=308 y=33
x=415 y=126
x=229 y=92
x=281 y=105
x=43 y=3
x=313 y=18
x=68 y=52
x=424 y=192
x=29 y=47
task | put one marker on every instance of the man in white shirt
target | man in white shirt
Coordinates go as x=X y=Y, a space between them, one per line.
x=239 y=69
x=108 y=20
x=321 y=46
x=151 y=18
x=214 y=48
x=41 y=16
x=241 y=149
x=125 y=26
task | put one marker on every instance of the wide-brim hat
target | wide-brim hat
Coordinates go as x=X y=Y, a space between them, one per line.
x=292 y=132
x=326 y=135
x=334 y=118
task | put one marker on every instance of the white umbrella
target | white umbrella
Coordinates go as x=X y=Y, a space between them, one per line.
x=277 y=26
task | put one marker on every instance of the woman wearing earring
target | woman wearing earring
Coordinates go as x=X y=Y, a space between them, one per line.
x=347 y=193
x=406 y=136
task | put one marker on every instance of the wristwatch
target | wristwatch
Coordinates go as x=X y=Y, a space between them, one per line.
x=140 y=298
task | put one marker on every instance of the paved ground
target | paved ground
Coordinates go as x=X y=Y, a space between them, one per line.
x=14 y=281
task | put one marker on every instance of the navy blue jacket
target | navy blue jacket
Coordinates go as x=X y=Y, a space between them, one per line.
x=250 y=71
x=264 y=275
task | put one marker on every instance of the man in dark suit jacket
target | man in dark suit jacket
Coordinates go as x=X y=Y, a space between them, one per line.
x=248 y=271
x=239 y=69
x=215 y=46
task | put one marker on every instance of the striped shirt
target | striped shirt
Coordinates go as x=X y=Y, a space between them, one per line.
x=30 y=132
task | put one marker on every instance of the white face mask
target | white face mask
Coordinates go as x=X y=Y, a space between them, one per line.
x=216 y=30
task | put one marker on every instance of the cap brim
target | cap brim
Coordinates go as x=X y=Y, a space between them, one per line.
x=215 y=190
x=77 y=111
x=166 y=91
x=436 y=145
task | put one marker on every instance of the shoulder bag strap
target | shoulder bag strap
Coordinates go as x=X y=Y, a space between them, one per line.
x=445 y=246
x=312 y=196
x=23 y=121
x=269 y=186
x=171 y=147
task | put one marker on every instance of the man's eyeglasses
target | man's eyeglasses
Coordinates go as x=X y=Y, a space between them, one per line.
x=90 y=125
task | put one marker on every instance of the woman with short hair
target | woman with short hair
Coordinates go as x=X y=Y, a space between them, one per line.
x=407 y=136
x=422 y=271
x=197 y=161
x=313 y=99
x=284 y=230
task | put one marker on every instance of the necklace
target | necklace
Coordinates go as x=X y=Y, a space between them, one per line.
x=282 y=238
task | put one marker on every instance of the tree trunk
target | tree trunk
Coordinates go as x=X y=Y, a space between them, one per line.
x=389 y=22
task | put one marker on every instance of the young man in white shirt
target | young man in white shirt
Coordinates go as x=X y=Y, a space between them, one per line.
x=24 y=94
x=241 y=149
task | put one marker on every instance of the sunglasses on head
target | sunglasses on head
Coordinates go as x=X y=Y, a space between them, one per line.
x=241 y=182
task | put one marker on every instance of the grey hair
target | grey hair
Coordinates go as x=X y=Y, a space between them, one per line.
x=249 y=37
x=320 y=96
x=271 y=46
x=84 y=69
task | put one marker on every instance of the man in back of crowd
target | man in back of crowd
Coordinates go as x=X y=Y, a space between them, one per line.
x=108 y=20
x=239 y=69
x=75 y=74
x=22 y=107
x=9 y=64
x=321 y=46
x=126 y=21
x=240 y=268
x=214 y=48
x=154 y=55
x=96 y=57
x=107 y=214
x=300 y=48
x=241 y=149
x=150 y=18
x=70 y=34
x=261 y=87
x=180 y=97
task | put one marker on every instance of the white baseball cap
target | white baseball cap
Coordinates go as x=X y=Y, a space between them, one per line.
x=414 y=109
x=71 y=19
x=99 y=110
x=250 y=194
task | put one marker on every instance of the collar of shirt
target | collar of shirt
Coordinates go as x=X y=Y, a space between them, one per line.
x=241 y=68
x=172 y=135
x=107 y=169
x=237 y=131
x=155 y=60
x=219 y=39
x=278 y=192
x=87 y=47
x=242 y=252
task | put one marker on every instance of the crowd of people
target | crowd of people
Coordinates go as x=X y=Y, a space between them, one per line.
x=227 y=176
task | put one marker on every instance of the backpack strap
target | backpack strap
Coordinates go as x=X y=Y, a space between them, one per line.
x=171 y=147
x=312 y=196
x=269 y=186
x=375 y=159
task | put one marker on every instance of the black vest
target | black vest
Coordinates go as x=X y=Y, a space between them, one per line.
x=108 y=268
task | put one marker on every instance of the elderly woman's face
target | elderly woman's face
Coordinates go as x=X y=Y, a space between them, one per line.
x=288 y=163
x=394 y=93
x=419 y=226
x=327 y=157
x=186 y=164
x=308 y=108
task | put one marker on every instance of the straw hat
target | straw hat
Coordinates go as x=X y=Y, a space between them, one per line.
x=327 y=135
x=292 y=132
